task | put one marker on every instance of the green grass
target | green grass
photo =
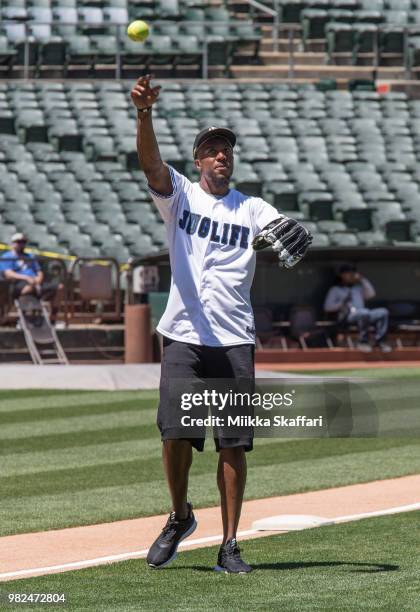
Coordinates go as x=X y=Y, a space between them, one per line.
x=367 y=565
x=78 y=458
x=387 y=373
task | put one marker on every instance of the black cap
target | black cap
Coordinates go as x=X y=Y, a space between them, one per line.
x=347 y=267
x=213 y=132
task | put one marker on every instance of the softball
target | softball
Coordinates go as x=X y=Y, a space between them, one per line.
x=138 y=31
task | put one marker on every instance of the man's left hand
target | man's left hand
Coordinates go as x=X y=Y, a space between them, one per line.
x=290 y=239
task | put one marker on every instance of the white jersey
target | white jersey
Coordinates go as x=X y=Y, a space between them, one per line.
x=212 y=262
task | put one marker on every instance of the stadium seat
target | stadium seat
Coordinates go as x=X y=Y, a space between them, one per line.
x=344 y=239
x=365 y=39
x=281 y=195
x=105 y=49
x=79 y=50
x=358 y=219
x=320 y=240
x=313 y=24
x=290 y=10
x=339 y=39
x=316 y=205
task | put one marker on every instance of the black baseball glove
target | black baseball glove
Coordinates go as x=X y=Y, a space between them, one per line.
x=286 y=236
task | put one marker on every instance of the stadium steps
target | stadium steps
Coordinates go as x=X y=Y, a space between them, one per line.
x=82 y=344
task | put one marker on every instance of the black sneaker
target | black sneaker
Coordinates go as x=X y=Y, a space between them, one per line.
x=229 y=559
x=163 y=549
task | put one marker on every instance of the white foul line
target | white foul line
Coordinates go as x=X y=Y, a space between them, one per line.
x=138 y=554
x=356 y=517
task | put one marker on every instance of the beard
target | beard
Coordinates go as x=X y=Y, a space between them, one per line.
x=220 y=181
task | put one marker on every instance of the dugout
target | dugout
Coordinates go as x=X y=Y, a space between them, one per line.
x=394 y=272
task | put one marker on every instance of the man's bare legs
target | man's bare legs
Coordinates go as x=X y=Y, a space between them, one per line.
x=177 y=459
x=231 y=479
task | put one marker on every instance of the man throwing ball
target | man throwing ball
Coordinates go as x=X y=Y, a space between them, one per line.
x=208 y=328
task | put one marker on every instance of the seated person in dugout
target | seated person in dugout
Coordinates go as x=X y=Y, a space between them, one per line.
x=347 y=298
x=24 y=272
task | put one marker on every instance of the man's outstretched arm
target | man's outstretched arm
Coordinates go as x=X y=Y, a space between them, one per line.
x=157 y=173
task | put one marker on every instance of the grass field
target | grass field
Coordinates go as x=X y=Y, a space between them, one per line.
x=367 y=565
x=76 y=458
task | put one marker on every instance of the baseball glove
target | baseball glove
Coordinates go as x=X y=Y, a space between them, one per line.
x=286 y=236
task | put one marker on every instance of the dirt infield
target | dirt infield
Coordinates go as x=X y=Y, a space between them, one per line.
x=56 y=551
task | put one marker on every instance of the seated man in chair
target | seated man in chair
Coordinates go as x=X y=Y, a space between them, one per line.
x=346 y=299
x=24 y=271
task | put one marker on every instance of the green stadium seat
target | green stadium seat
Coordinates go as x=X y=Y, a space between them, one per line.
x=189 y=51
x=270 y=171
x=320 y=240
x=192 y=28
x=132 y=52
x=313 y=24
x=116 y=14
x=371 y=238
x=331 y=227
x=105 y=48
x=30 y=126
x=159 y=50
x=65 y=137
x=398 y=5
x=365 y=39
x=7 y=122
x=169 y=9
x=340 y=16
x=6 y=232
x=282 y=196
x=290 y=10
x=339 y=39
x=396 y=18
x=344 y=240
x=100 y=149
x=358 y=219
x=385 y=212
x=65 y=13
x=316 y=205
x=399 y=230
x=216 y=13
x=413 y=51
x=118 y=252
x=247 y=33
x=7 y=52
x=194 y=14
x=79 y=50
x=369 y=15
